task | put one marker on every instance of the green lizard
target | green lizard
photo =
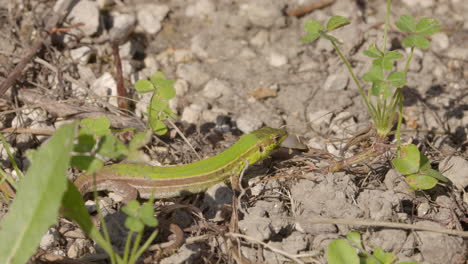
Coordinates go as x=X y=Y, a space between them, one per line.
x=129 y=180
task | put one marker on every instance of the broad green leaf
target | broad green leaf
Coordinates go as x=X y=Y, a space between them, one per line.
x=375 y=73
x=424 y=162
x=158 y=127
x=421 y=182
x=355 y=239
x=99 y=126
x=406 y=24
x=132 y=208
x=156 y=77
x=373 y=51
x=166 y=89
x=340 y=252
x=85 y=143
x=38 y=198
x=427 y=26
x=416 y=41
x=384 y=257
x=397 y=79
x=434 y=174
x=144 y=86
x=139 y=140
x=337 y=22
x=134 y=224
x=408 y=163
x=312 y=26
x=408 y=262
x=111 y=147
x=147 y=215
x=379 y=87
x=310 y=37
x=386 y=61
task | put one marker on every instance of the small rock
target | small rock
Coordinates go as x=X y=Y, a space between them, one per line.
x=215 y=198
x=199 y=45
x=87 y=13
x=193 y=74
x=49 y=239
x=262 y=13
x=151 y=64
x=336 y=81
x=310 y=65
x=183 y=55
x=127 y=68
x=277 y=60
x=456 y=170
x=105 y=86
x=260 y=39
x=76 y=248
x=216 y=88
x=192 y=114
x=248 y=123
x=423 y=209
x=127 y=50
x=81 y=54
x=247 y=53
x=458 y=52
x=86 y=74
x=440 y=42
x=419 y=3
x=122 y=27
x=187 y=253
x=390 y=240
x=440 y=248
x=150 y=17
x=200 y=8
x=181 y=87
x=213 y=114
x=320 y=118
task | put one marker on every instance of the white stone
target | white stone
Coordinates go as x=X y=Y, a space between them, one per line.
x=81 y=54
x=106 y=87
x=216 y=88
x=192 y=114
x=183 y=55
x=127 y=67
x=150 y=17
x=277 y=60
x=198 y=45
x=48 y=239
x=248 y=123
x=87 y=13
x=263 y=13
x=260 y=39
x=127 y=50
x=440 y=42
x=193 y=74
x=181 y=87
x=200 y=8
x=247 y=53
x=151 y=63
x=320 y=117
x=456 y=170
x=419 y=3
x=336 y=81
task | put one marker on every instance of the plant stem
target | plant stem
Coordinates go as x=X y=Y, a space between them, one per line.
x=410 y=57
x=387 y=23
x=400 y=120
x=348 y=66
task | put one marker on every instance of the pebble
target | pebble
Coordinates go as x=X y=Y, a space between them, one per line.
x=458 y=52
x=260 y=39
x=200 y=8
x=455 y=169
x=181 y=87
x=47 y=240
x=419 y=4
x=127 y=50
x=248 y=123
x=81 y=54
x=320 y=118
x=192 y=114
x=277 y=60
x=106 y=86
x=262 y=13
x=440 y=42
x=183 y=55
x=193 y=74
x=150 y=17
x=198 y=45
x=151 y=63
x=87 y=13
x=122 y=26
x=336 y=81
x=216 y=88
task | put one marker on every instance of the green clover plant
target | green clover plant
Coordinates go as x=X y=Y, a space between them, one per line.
x=158 y=110
x=351 y=251
x=384 y=99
